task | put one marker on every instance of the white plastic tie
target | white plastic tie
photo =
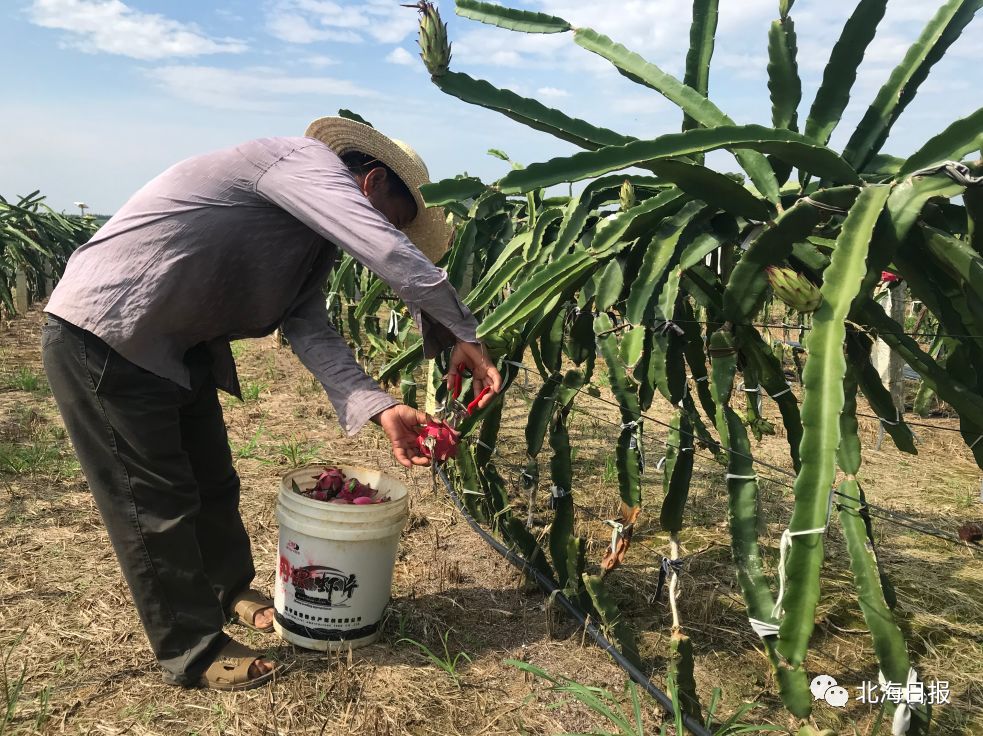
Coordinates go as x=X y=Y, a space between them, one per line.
x=702 y=378
x=617 y=529
x=407 y=382
x=393 y=323
x=897 y=420
x=732 y=476
x=786 y=545
x=956 y=171
x=763 y=628
x=782 y=393
x=658 y=465
x=976 y=442
x=629 y=425
x=558 y=491
x=470 y=492
x=488 y=447
x=902 y=715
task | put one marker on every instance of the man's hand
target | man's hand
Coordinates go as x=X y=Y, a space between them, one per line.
x=484 y=374
x=401 y=424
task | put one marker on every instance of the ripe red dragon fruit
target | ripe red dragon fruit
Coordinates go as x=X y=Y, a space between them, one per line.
x=443 y=438
x=332 y=486
x=332 y=479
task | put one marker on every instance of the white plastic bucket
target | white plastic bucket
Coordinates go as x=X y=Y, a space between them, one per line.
x=336 y=561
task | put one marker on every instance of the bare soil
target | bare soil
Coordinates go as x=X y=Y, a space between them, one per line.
x=71 y=639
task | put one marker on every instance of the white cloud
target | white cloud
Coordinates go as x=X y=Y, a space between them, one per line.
x=742 y=65
x=308 y=21
x=259 y=89
x=112 y=27
x=552 y=92
x=319 y=61
x=401 y=56
x=296 y=29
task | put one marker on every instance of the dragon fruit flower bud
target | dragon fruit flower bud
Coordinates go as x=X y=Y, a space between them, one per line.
x=794 y=289
x=626 y=197
x=434 y=46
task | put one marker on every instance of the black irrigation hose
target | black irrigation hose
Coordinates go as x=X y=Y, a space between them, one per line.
x=548 y=587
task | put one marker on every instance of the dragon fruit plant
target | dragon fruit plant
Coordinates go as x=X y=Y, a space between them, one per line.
x=659 y=265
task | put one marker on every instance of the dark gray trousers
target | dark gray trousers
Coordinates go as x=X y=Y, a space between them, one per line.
x=156 y=457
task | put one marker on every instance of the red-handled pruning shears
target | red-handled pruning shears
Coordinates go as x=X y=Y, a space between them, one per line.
x=453 y=412
x=437 y=440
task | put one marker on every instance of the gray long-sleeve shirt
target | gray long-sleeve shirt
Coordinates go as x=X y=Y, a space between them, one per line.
x=233 y=244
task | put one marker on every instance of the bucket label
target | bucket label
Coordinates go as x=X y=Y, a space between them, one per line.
x=318 y=585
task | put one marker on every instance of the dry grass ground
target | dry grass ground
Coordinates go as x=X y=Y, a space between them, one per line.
x=66 y=622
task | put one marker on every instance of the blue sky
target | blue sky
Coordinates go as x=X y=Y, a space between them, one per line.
x=101 y=95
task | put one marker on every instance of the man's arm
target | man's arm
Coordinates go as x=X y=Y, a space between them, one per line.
x=313 y=185
x=355 y=396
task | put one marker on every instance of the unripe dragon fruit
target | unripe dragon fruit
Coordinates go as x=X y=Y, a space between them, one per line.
x=794 y=289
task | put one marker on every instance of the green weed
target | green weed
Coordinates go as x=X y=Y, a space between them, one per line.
x=447 y=663
x=44 y=708
x=610 y=474
x=248 y=450
x=27 y=379
x=33 y=458
x=252 y=389
x=297 y=452
x=599 y=700
x=733 y=725
x=11 y=684
x=609 y=706
x=271 y=372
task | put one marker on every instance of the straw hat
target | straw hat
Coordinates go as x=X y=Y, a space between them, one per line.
x=429 y=230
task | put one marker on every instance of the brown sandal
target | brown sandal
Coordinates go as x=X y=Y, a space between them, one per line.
x=246 y=605
x=230 y=670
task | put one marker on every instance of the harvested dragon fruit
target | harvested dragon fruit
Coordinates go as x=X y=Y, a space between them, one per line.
x=437 y=441
x=333 y=487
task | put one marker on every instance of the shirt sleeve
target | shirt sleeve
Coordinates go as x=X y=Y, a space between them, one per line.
x=313 y=185
x=355 y=396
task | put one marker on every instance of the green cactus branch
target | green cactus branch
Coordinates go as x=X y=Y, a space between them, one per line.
x=791 y=147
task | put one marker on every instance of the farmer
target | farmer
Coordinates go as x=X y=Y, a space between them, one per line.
x=228 y=245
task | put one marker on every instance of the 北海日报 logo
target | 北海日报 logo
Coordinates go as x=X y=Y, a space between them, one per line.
x=825 y=688
x=911 y=693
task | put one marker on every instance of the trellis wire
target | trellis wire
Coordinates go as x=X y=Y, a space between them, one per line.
x=884 y=514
